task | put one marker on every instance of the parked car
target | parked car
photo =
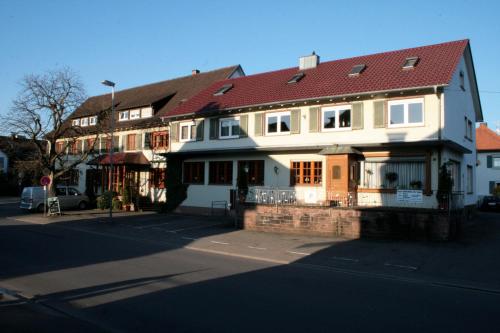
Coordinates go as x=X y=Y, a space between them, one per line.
x=69 y=197
x=491 y=203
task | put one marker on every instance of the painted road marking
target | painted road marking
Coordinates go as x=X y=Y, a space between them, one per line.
x=216 y=242
x=413 y=268
x=345 y=259
x=299 y=253
x=189 y=238
x=197 y=227
x=256 y=248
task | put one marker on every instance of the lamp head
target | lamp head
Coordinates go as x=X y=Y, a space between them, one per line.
x=108 y=83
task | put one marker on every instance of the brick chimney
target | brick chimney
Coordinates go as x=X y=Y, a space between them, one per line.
x=195 y=72
x=483 y=125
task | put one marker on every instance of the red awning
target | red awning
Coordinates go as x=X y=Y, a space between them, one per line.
x=122 y=158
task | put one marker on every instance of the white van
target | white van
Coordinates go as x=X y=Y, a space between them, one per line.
x=69 y=197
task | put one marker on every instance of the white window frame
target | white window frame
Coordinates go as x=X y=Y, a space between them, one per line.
x=190 y=126
x=337 y=109
x=76 y=122
x=136 y=113
x=406 y=103
x=84 y=122
x=146 y=112
x=123 y=116
x=278 y=126
x=230 y=136
x=92 y=120
x=493 y=158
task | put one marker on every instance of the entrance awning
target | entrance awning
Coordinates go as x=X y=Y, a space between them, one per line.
x=122 y=158
x=339 y=150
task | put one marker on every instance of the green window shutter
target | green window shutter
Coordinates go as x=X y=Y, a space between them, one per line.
x=214 y=128
x=259 y=124
x=147 y=140
x=200 y=129
x=492 y=186
x=489 y=161
x=174 y=132
x=124 y=143
x=244 y=126
x=295 y=121
x=357 y=116
x=138 y=141
x=379 y=114
x=116 y=143
x=314 y=113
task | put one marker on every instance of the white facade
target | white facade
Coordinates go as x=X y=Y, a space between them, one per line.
x=488 y=176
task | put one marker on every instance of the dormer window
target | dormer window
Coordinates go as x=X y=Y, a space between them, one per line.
x=92 y=120
x=76 y=122
x=84 y=122
x=224 y=89
x=296 y=78
x=410 y=62
x=357 y=69
x=135 y=114
x=123 y=115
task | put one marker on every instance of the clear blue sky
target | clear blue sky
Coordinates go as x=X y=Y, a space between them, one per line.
x=138 y=42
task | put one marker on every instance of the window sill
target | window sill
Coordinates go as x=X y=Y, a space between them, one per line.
x=377 y=190
x=220 y=184
x=188 y=183
x=277 y=134
x=229 y=137
x=341 y=129
x=405 y=125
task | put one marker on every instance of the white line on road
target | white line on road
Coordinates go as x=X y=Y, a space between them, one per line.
x=216 y=242
x=413 y=268
x=299 y=253
x=151 y=225
x=189 y=238
x=197 y=227
x=256 y=248
x=345 y=259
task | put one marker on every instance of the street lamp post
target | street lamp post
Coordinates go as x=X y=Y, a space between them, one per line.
x=112 y=146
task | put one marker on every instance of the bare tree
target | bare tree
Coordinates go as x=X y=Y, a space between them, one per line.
x=39 y=113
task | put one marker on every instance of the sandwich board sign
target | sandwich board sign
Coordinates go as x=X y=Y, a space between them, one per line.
x=54 y=207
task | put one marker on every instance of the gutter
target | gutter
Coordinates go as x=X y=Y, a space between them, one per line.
x=377 y=92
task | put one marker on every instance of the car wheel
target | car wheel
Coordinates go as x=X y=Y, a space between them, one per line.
x=82 y=205
x=40 y=208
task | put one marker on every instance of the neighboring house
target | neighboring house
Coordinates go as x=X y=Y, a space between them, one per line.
x=4 y=162
x=352 y=130
x=139 y=134
x=488 y=160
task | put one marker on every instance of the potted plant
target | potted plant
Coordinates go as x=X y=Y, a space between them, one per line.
x=416 y=185
x=391 y=177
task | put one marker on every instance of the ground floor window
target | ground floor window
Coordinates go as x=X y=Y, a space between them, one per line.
x=254 y=170
x=395 y=174
x=470 y=180
x=194 y=173
x=306 y=173
x=70 y=178
x=221 y=172
x=158 y=177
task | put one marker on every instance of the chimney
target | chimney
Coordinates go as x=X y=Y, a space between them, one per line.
x=483 y=125
x=310 y=61
x=195 y=72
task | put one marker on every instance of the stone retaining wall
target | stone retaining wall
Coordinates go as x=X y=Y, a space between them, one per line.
x=353 y=223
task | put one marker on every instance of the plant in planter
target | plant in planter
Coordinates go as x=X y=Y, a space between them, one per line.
x=391 y=177
x=416 y=185
x=242 y=183
x=126 y=198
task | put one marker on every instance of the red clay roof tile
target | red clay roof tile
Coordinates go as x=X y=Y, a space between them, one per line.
x=486 y=139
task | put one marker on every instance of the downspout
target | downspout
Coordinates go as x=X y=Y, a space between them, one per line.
x=441 y=114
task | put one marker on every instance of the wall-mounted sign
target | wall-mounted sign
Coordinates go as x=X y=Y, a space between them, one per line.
x=411 y=196
x=310 y=197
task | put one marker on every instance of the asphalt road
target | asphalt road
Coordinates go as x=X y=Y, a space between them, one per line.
x=68 y=279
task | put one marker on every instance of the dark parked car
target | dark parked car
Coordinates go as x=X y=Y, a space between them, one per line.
x=491 y=203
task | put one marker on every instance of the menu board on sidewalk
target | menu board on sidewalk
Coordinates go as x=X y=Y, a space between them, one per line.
x=54 y=207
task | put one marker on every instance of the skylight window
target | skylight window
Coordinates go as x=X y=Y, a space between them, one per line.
x=410 y=62
x=224 y=89
x=357 y=69
x=296 y=78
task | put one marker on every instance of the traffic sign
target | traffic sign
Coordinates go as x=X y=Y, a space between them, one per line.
x=45 y=180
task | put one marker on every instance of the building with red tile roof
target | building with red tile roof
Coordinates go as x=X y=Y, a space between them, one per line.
x=488 y=158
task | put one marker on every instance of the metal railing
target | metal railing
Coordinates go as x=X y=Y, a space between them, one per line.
x=263 y=195
x=341 y=199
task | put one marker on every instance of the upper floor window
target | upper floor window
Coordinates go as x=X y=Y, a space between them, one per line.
x=123 y=115
x=76 y=122
x=135 y=114
x=468 y=128
x=92 y=120
x=229 y=128
x=334 y=118
x=146 y=112
x=188 y=131
x=84 y=122
x=159 y=140
x=60 y=147
x=409 y=112
x=278 y=123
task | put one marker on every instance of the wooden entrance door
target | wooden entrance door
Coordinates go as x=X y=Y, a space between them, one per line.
x=342 y=175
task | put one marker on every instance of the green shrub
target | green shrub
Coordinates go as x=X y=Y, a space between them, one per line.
x=117 y=204
x=103 y=201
